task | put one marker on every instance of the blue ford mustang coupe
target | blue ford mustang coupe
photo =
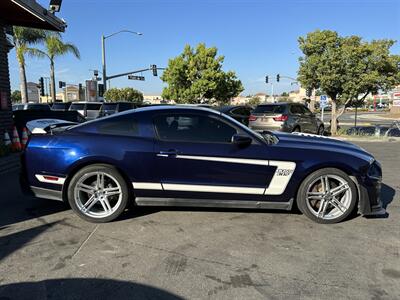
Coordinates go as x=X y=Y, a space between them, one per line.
x=189 y=156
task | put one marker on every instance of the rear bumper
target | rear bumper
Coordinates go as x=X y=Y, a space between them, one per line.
x=257 y=127
x=38 y=192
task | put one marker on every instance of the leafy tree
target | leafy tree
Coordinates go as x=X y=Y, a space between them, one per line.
x=285 y=94
x=196 y=76
x=124 y=94
x=347 y=69
x=54 y=47
x=16 y=96
x=254 y=101
x=24 y=37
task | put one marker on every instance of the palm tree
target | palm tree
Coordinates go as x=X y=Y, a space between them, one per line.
x=22 y=38
x=54 y=46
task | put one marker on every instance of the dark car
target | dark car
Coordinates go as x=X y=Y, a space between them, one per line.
x=31 y=106
x=61 y=106
x=187 y=156
x=240 y=113
x=109 y=108
x=287 y=117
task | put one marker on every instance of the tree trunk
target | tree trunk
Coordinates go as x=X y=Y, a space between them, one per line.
x=333 y=118
x=52 y=82
x=313 y=100
x=22 y=80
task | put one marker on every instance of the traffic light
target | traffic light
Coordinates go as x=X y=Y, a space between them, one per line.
x=278 y=77
x=154 y=69
x=41 y=86
x=61 y=84
x=266 y=79
x=308 y=92
x=101 y=89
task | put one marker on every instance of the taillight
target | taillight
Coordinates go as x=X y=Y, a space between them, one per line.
x=281 y=118
x=252 y=118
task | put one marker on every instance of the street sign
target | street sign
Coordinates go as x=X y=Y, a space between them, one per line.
x=134 y=77
x=323 y=101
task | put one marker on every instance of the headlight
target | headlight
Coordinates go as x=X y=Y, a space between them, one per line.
x=375 y=171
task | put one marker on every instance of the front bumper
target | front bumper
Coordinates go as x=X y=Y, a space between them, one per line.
x=370 y=202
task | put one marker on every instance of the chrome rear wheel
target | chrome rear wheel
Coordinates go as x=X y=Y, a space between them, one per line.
x=98 y=193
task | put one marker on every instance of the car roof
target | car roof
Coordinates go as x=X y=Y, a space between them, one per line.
x=277 y=103
x=229 y=107
x=175 y=107
x=86 y=102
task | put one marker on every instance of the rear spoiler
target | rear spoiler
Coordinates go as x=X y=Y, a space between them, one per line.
x=45 y=126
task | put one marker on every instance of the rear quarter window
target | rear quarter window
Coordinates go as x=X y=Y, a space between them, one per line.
x=119 y=126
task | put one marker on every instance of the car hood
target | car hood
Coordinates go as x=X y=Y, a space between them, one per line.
x=321 y=143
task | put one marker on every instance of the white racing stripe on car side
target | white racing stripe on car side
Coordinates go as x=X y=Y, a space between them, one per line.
x=147 y=186
x=57 y=180
x=281 y=178
x=212 y=189
x=277 y=186
x=246 y=161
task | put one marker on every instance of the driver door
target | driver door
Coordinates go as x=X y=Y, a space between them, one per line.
x=195 y=155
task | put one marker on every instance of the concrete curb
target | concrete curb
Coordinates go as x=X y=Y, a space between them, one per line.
x=10 y=163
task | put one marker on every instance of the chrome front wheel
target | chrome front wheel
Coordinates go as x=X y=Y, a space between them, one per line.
x=327 y=196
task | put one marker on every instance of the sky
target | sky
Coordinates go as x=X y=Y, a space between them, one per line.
x=257 y=37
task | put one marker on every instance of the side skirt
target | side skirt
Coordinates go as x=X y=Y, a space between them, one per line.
x=150 y=201
x=46 y=193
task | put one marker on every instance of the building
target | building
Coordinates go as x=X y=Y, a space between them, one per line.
x=26 y=13
x=33 y=92
x=156 y=99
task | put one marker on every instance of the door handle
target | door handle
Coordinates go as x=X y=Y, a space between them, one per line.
x=168 y=153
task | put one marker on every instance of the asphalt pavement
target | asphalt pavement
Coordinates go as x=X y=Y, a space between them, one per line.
x=47 y=252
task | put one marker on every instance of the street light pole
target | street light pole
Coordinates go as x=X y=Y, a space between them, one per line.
x=103 y=52
x=103 y=61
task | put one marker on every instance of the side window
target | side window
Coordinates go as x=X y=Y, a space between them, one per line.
x=240 y=111
x=294 y=109
x=123 y=126
x=193 y=128
x=305 y=110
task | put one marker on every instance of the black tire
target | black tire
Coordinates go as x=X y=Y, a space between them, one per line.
x=310 y=179
x=296 y=129
x=320 y=130
x=108 y=171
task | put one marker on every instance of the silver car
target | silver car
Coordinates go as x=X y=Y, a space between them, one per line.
x=287 y=117
x=90 y=110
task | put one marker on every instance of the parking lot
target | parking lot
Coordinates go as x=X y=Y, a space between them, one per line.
x=47 y=252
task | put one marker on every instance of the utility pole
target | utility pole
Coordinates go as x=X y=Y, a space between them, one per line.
x=103 y=52
x=103 y=61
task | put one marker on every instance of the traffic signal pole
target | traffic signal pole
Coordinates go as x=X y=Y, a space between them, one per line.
x=103 y=61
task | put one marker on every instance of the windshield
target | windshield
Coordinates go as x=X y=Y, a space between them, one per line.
x=270 y=108
x=59 y=105
x=109 y=106
x=77 y=106
x=38 y=107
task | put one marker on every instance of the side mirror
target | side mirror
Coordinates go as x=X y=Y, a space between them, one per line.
x=241 y=140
